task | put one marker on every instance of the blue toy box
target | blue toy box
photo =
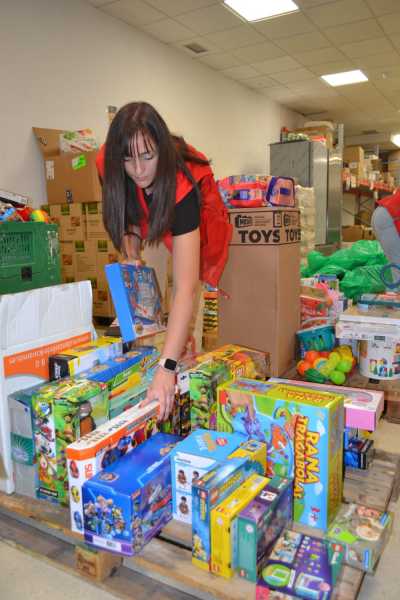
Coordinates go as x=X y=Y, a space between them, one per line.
x=129 y=502
x=198 y=453
x=208 y=492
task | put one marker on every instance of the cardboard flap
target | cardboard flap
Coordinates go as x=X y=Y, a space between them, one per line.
x=48 y=140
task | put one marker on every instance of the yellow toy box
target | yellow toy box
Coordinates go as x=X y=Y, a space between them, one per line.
x=256 y=452
x=83 y=357
x=224 y=525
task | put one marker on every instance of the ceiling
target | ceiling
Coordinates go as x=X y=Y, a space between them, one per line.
x=283 y=58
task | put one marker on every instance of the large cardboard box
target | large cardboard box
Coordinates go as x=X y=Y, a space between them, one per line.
x=71 y=220
x=67 y=261
x=84 y=260
x=352 y=233
x=70 y=177
x=352 y=154
x=94 y=221
x=260 y=306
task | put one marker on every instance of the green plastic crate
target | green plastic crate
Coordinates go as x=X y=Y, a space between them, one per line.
x=29 y=256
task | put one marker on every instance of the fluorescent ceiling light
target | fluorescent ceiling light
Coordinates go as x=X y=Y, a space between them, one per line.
x=395 y=139
x=257 y=10
x=345 y=78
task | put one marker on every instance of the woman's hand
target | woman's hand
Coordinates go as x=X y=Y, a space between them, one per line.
x=162 y=388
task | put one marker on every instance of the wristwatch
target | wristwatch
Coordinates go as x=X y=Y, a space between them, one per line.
x=169 y=364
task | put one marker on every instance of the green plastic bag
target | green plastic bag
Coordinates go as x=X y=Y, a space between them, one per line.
x=363 y=280
x=316 y=261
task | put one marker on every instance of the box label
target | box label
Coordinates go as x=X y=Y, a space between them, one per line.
x=79 y=162
x=265 y=228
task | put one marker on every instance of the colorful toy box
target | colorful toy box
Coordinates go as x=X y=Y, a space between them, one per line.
x=362 y=408
x=103 y=447
x=301 y=566
x=83 y=357
x=256 y=452
x=303 y=430
x=128 y=399
x=179 y=420
x=364 y=532
x=198 y=453
x=63 y=411
x=260 y=524
x=221 y=365
x=208 y=491
x=224 y=525
x=358 y=451
x=129 y=502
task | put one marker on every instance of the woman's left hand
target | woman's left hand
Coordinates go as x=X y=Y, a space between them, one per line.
x=162 y=388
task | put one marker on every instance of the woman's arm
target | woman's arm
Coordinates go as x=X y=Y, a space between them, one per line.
x=186 y=267
x=132 y=244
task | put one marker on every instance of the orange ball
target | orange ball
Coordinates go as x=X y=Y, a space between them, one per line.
x=325 y=353
x=303 y=366
x=311 y=355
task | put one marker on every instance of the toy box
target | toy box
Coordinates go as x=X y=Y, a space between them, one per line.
x=208 y=491
x=260 y=524
x=63 y=411
x=137 y=299
x=362 y=408
x=129 y=502
x=179 y=420
x=127 y=399
x=363 y=532
x=358 y=452
x=219 y=366
x=102 y=447
x=197 y=454
x=303 y=430
x=83 y=357
x=256 y=452
x=301 y=566
x=224 y=525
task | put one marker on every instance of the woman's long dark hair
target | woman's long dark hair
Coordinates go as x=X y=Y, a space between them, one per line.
x=121 y=207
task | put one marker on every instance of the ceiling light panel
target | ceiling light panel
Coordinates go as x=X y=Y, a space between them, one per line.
x=258 y=10
x=345 y=78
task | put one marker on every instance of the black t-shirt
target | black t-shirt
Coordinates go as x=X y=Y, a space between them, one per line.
x=187 y=213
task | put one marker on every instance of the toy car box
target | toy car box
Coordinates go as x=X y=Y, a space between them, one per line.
x=362 y=408
x=63 y=411
x=198 y=453
x=364 y=532
x=303 y=429
x=102 y=447
x=83 y=357
x=224 y=525
x=208 y=492
x=260 y=524
x=216 y=367
x=129 y=502
x=301 y=566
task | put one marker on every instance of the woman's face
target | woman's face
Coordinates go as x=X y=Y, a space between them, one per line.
x=141 y=167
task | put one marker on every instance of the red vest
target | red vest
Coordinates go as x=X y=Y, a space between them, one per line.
x=392 y=205
x=215 y=229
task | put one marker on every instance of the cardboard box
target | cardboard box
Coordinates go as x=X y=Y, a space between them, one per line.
x=94 y=221
x=71 y=220
x=105 y=254
x=85 y=260
x=95 y=563
x=368 y=233
x=70 y=178
x=352 y=154
x=67 y=261
x=261 y=307
x=352 y=233
x=102 y=304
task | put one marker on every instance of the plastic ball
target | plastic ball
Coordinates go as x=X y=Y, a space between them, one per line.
x=39 y=216
x=345 y=365
x=344 y=351
x=303 y=366
x=311 y=355
x=334 y=358
x=325 y=353
x=319 y=362
x=337 y=377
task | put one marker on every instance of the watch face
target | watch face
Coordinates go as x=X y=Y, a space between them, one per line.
x=170 y=364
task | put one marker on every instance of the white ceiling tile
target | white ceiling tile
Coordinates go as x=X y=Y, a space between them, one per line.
x=390 y=23
x=284 y=26
x=384 y=60
x=383 y=7
x=337 y=13
x=322 y=56
x=332 y=67
x=357 y=90
x=367 y=47
x=295 y=75
x=133 y=12
x=312 y=3
x=317 y=86
x=209 y=19
x=281 y=93
x=262 y=81
x=353 y=32
x=98 y=3
x=237 y=37
x=168 y=30
x=210 y=48
x=285 y=63
x=304 y=42
x=242 y=72
x=172 y=8
x=395 y=39
x=221 y=61
x=258 y=52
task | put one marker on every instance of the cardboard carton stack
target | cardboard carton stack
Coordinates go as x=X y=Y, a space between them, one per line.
x=74 y=203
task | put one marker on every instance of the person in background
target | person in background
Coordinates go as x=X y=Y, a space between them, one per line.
x=156 y=187
x=386 y=225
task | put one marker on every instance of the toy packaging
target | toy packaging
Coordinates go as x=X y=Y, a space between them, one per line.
x=191 y=459
x=137 y=299
x=127 y=399
x=104 y=446
x=179 y=420
x=363 y=532
x=302 y=567
x=256 y=452
x=83 y=357
x=224 y=525
x=221 y=365
x=129 y=502
x=389 y=299
x=208 y=492
x=260 y=524
x=358 y=452
x=362 y=408
x=303 y=430
x=63 y=411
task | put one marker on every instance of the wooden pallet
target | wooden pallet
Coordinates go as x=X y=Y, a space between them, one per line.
x=165 y=560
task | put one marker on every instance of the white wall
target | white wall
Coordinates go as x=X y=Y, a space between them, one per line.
x=63 y=62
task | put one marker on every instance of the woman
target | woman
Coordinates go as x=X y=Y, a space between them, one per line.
x=158 y=188
x=386 y=225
